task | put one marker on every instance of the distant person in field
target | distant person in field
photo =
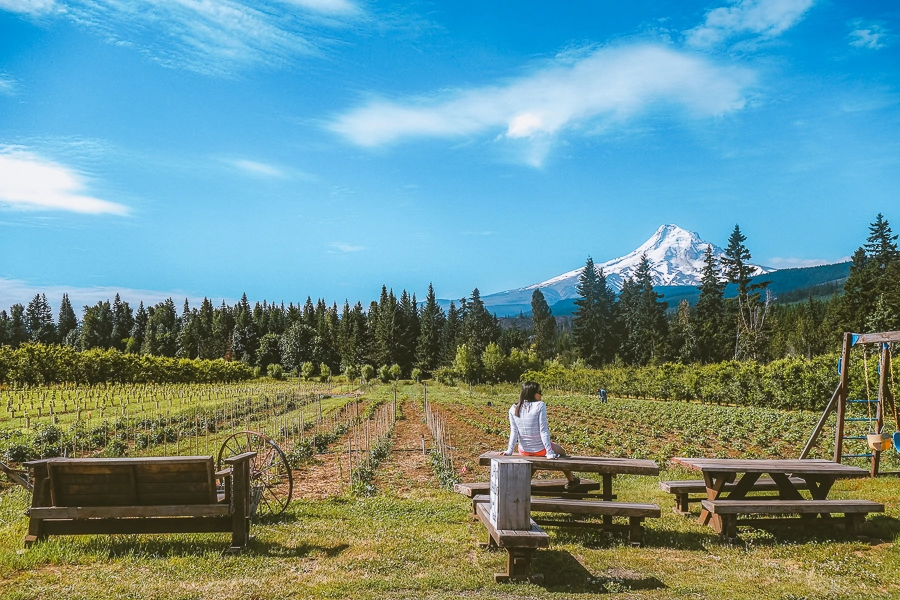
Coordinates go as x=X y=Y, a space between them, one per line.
x=528 y=425
x=601 y=393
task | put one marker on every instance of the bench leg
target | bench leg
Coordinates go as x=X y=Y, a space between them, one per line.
x=682 y=505
x=852 y=522
x=636 y=531
x=729 y=527
x=518 y=565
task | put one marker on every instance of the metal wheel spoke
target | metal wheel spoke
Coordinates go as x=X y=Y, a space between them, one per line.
x=270 y=474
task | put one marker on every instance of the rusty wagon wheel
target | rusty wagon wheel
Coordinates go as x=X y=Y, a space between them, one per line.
x=271 y=481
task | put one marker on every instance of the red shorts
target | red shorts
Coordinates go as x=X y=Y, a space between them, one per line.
x=541 y=453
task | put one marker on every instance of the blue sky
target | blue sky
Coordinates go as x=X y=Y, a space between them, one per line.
x=324 y=147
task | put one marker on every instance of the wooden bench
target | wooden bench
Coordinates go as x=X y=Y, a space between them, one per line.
x=79 y=496
x=683 y=488
x=636 y=513
x=520 y=546
x=854 y=511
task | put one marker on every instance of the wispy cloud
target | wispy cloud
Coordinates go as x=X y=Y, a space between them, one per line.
x=7 y=84
x=30 y=182
x=793 y=263
x=868 y=35
x=257 y=168
x=214 y=37
x=342 y=247
x=763 y=18
x=29 y=7
x=612 y=83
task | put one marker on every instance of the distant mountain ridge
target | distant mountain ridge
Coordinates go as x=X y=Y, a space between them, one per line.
x=676 y=256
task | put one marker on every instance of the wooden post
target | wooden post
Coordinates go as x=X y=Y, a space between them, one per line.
x=842 y=398
x=510 y=494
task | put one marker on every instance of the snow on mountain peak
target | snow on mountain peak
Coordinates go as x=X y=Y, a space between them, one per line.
x=675 y=254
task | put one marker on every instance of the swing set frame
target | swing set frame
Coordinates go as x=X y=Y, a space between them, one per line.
x=839 y=399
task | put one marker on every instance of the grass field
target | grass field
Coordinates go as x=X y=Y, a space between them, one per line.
x=413 y=539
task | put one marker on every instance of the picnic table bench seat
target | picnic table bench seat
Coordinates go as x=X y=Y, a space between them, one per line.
x=635 y=512
x=520 y=546
x=854 y=511
x=179 y=494
x=682 y=489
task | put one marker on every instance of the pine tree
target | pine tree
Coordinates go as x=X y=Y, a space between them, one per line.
x=543 y=324
x=123 y=323
x=97 y=326
x=386 y=329
x=711 y=320
x=66 y=321
x=479 y=327
x=645 y=320
x=205 y=326
x=872 y=284
x=594 y=327
x=245 y=336
x=139 y=331
x=18 y=334
x=750 y=334
x=431 y=326
x=39 y=320
x=451 y=335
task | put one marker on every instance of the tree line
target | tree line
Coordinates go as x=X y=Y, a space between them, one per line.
x=400 y=337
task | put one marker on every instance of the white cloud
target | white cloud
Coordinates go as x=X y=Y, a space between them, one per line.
x=7 y=84
x=612 y=83
x=29 y=182
x=347 y=247
x=30 y=7
x=764 y=18
x=871 y=35
x=257 y=168
x=214 y=37
x=14 y=291
x=794 y=263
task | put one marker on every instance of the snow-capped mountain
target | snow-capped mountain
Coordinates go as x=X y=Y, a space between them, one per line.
x=676 y=258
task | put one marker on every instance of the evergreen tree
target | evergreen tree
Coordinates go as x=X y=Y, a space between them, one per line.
x=205 y=325
x=188 y=341
x=297 y=346
x=4 y=328
x=39 y=320
x=712 y=329
x=385 y=341
x=451 y=335
x=544 y=326
x=139 y=330
x=872 y=284
x=683 y=341
x=66 y=321
x=750 y=335
x=97 y=326
x=18 y=333
x=223 y=328
x=594 y=327
x=245 y=336
x=123 y=323
x=645 y=318
x=479 y=327
x=431 y=327
x=407 y=331
x=161 y=335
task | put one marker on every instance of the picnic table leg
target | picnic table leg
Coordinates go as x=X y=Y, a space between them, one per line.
x=636 y=531
x=607 y=496
x=818 y=488
x=715 y=482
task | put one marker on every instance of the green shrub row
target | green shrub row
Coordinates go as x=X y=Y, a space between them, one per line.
x=789 y=383
x=38 y=364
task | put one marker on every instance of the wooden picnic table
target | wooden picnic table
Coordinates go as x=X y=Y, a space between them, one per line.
x=740 y=475
x=607 y=468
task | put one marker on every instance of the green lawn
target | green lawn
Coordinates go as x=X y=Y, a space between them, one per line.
x=424 y=544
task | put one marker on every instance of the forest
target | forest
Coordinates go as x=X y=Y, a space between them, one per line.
x=396 y=337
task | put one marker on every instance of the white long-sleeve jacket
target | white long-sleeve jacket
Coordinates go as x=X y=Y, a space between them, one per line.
x=530 y=428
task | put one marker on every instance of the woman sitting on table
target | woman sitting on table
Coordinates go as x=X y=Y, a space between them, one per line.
x=528 y=425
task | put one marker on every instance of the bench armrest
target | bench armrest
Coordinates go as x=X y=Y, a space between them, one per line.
x=240 y=458
x=224 y=472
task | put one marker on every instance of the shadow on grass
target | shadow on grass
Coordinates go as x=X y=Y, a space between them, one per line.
x=802 y=531
x=652 y=538
x=128 y=546
x=563 y=573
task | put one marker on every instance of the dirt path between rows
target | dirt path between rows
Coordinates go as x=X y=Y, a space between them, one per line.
x=406 y=468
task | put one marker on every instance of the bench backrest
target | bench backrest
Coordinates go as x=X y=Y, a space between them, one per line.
x=130 y=481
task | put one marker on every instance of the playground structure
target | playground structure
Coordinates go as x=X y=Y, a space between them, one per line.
x=841 y=401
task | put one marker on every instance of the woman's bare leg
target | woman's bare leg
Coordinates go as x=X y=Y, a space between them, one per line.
x=562 y=452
